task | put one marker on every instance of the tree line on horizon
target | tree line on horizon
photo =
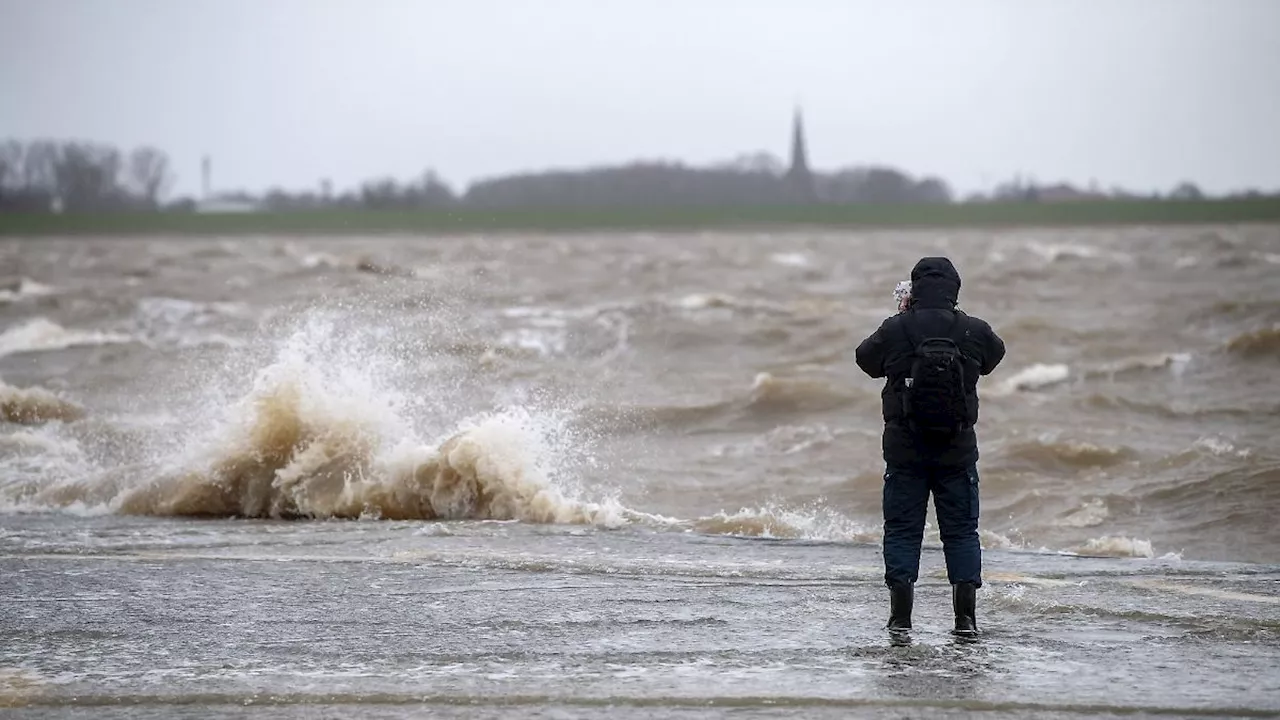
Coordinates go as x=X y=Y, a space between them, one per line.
x=72 y=176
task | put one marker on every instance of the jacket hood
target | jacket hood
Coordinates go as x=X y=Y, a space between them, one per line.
x=935 y=283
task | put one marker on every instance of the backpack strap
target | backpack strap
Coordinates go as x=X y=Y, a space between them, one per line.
x=957 y=330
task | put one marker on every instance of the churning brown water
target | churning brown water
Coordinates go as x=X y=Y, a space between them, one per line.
x=630 y=473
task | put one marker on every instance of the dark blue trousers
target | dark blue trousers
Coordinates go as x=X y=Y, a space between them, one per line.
x=955 y=500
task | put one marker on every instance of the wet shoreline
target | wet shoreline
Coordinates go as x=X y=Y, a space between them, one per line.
x=396 y=618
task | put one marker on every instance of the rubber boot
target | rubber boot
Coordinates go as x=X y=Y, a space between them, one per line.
x=901 y=599
x=964 y=598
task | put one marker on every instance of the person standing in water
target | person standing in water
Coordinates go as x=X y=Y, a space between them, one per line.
x=931 y=355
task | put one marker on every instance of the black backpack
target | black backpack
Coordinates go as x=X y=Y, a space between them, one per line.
x=934 y=401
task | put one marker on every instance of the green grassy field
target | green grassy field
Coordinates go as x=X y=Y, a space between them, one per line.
x=464 y=220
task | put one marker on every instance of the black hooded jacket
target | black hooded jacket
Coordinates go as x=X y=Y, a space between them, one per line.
x=887 y=353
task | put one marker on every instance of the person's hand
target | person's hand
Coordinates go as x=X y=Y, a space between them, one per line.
x=902 y=293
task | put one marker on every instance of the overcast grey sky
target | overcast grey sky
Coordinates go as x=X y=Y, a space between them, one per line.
x=1140 y=93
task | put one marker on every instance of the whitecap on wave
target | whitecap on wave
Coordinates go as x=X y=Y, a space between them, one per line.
x=24 y=289
x=35 y=406
x=1032 y=377
x=41 y=335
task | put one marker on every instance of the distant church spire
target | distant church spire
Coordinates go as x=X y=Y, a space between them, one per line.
x=799 y=175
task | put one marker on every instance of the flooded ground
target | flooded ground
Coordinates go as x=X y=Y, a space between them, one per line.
x=146 y=618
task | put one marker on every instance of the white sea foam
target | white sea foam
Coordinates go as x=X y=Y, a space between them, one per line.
x=790 y=259
x=1032 y=377
x=185 y=323
x=814 y=522
x=42 y=335
x=24 y=289
x=1090 y=514
x=1055 y=252
x=1177 y=363
x=1219 y=447
x=1115 y=546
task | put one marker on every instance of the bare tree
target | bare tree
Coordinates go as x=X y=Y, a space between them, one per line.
x=149 y=174
x=11 y=152
x=433 y=191
x=88 y=177
x=933 y=190
x=24 y=187
x=38 y=164
x=1186 y=191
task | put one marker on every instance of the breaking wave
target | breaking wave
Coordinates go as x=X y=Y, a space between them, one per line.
x=1115 y=546
x=23 y=289
x=1175 y=361
x=317 y=441
x=1049 y=454
x=818 y=522
x=289 y=466
x=35 y=406
x=790 y=259
x=1032 y=377
x=770 y=393
x=1218 y=447
x=41 y=335
x=1256 y=344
